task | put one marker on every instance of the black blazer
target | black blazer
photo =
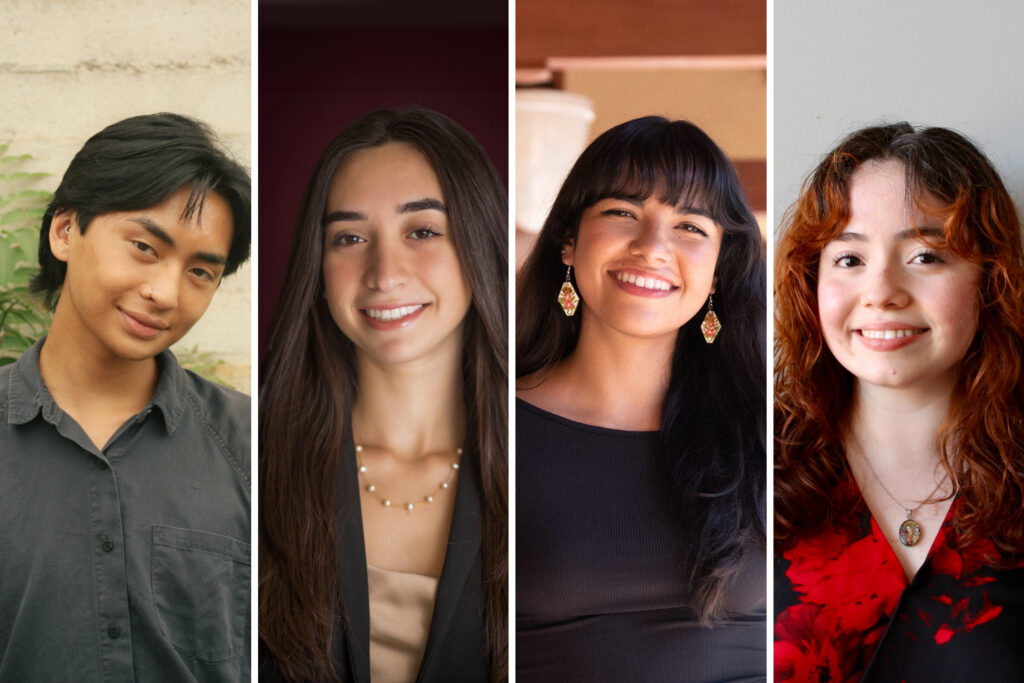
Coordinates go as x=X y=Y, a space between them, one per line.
x=456 y=645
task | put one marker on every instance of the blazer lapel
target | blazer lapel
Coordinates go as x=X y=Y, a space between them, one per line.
x=352 y=560
x=461 y=556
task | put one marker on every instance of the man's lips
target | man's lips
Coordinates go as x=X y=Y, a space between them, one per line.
x=142 y=325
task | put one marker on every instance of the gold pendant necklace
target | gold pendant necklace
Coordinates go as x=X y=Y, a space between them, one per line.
x=909 y=532
x=408 y=505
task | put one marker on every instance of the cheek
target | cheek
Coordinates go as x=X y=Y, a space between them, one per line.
x=339 y=281
x=195 y=303
x=448 y=279
x=833 y=306
x=699 y=261
x=958 y=306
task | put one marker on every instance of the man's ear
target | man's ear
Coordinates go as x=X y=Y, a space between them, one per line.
x=60 y=234
x=569 y=252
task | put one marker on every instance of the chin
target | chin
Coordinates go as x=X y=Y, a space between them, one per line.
x=394 y=354
x=890 y=378
x=139 y=350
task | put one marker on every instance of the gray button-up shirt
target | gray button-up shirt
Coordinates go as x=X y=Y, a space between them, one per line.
x=130 y=563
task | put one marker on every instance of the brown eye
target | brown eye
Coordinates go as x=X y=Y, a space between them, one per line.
x=847 y=261
x=346 y=239
x=693 y=228
x=926 y=258
x=424 y=233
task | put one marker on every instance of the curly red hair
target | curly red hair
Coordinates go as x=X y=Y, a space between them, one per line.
x=982 y=437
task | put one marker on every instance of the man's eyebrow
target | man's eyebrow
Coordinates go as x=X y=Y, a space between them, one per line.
x=425 y=204
x=161 y=234
x=155 y=230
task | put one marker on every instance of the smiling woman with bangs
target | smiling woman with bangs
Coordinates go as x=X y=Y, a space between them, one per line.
x=640 y=419
x=899 y=416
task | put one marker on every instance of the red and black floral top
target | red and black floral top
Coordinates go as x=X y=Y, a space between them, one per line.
x=844 y=610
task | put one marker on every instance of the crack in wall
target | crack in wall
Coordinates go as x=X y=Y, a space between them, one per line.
x=129 y=67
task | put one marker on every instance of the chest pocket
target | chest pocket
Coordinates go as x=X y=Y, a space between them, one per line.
x=201 y=584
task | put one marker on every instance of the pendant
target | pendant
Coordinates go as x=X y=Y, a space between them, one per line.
x=568 y=299
x=710 y=327
x=910 y=532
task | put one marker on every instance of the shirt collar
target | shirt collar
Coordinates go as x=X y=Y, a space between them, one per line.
x=28 y=395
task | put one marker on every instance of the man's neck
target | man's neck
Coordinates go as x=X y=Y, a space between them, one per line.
x=98 y=390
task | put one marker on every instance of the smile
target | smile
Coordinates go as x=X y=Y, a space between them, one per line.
x=142 y=326
x=391 y=314
x=889 y=339
x=393 y=317
x=649 y=282
x=892 y=334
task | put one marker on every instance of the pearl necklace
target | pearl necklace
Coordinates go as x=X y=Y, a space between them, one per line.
x=385 y=501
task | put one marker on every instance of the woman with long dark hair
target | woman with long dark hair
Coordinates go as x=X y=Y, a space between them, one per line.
x=899 y=416
x=640 y=419
x=383 y=416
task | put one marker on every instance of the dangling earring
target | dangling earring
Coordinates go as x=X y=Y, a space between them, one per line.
x=567 y=297
x=711 y=325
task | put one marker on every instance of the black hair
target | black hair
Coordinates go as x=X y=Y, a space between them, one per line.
x=136 y=164
x=713 y=415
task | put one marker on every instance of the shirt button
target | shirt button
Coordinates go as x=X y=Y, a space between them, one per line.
x=102 y=465
x=113 y=631
x=108 y=545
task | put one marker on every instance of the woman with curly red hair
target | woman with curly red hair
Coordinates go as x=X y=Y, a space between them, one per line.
x=899 y=416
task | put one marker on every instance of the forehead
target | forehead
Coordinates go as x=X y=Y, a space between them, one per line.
x=882 y=201
x=197 y=222
x=392 y=172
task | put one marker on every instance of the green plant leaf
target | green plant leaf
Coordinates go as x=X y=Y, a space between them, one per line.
x=34 y=194
x=24 y=175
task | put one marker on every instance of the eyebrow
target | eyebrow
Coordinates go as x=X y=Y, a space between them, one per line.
x=162 y=235
x=680 y=209
x=425 y=204
x=906 y=234
x=344 y=216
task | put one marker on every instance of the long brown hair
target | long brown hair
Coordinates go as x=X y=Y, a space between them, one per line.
x=308 y=384
x=981 y=441
x=712 y=447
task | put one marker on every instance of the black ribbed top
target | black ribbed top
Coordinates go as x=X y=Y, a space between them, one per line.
x=599 y=557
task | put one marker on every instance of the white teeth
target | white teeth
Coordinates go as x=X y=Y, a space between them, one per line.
x=389 y=314
x=889 y=334
x=640 y=281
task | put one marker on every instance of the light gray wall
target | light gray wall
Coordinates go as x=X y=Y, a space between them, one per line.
x=69 y=68
x=840 y=66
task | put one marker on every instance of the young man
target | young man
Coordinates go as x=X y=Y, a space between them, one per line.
x=124 y=480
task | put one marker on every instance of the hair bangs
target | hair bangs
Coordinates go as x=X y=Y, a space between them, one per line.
x=672 y=164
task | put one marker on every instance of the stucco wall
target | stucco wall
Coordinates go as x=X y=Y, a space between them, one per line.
x=70 y=67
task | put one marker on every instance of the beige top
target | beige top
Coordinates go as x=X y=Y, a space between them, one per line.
x=401 y=605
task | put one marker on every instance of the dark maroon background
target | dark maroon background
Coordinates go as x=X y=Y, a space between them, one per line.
x=321 y=68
